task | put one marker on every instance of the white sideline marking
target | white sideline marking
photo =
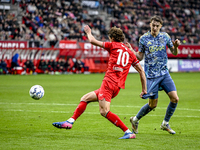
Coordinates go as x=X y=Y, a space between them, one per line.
x=93 y=113
x=59 y=104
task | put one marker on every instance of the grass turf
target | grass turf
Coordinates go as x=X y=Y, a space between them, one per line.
x=26 y=123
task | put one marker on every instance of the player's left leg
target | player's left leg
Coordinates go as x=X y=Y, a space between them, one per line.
x=169 y=87
x=89 y=97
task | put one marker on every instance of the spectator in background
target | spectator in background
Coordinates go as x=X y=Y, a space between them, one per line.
x=52 y=39
x=29 y=67
x=52 y=66
x=79 y=66
x=31 y=8
x=3 y=67
x=96 y=33
x=68 y=67
x=61 y=65
x=43 y=66
x=14 y=62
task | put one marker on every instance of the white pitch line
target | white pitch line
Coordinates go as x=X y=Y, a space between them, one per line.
x=60 y=104
x=93 y=113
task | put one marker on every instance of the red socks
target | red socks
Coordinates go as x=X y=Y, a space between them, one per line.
x=110 y=116
x=116 y=121
x=79 y=110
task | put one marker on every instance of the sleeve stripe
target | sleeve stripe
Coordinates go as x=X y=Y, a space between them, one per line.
x=133 y=64
x=103 y=45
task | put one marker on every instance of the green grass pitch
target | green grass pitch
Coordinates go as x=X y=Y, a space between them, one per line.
x=27 y=124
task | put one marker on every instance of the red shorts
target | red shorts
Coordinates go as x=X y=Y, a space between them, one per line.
x=108 y=90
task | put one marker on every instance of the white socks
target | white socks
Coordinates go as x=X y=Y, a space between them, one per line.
x=135 y=119
x=128 y=131
x=71 y=120
x=165 y=122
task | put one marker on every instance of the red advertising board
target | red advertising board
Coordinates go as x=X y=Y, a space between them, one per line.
x=64 y=44
x=185 y=51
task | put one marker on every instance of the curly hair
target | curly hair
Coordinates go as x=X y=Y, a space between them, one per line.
x=116 y=34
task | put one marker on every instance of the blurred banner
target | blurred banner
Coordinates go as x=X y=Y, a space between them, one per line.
x=188 y=65
x=13 y=44
x=186 y=51
x=178 y=65
x=172 y=65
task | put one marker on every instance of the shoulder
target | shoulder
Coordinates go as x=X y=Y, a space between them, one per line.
x=164 y=34
x=144 y=36
x=107 y=44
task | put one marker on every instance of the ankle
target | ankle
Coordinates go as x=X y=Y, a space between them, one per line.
x=71 y=120
x=165 y=122
x=135 y=119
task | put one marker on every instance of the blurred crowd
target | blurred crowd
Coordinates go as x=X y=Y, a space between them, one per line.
x=55 y=20
x=42 y=66
x=181 y=18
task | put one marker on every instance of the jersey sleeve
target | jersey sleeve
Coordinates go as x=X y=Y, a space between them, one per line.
x=169 y=41
x=141 y=44
x=135 y=61
x=107 y=46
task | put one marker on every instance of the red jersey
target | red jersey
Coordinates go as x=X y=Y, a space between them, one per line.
x=120 y=60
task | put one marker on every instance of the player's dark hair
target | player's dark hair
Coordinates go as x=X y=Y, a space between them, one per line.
x=117 y=34
x=157 y=18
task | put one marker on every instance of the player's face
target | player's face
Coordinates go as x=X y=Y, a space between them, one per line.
x=155 y=27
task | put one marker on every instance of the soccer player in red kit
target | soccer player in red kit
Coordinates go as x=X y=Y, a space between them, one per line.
x=120 y=60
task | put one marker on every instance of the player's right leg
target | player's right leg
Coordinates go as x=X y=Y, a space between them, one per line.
x=152 y=94
x=143 y=111
x=104 y=107
x=89 y=97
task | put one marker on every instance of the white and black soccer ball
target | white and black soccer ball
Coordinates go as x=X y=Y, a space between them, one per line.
x=36 y=92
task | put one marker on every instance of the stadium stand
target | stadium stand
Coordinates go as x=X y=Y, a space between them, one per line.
x=49 y=21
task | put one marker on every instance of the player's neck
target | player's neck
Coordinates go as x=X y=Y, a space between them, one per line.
x=154 y=34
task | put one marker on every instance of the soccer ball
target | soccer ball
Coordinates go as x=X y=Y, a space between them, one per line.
x=36 y=92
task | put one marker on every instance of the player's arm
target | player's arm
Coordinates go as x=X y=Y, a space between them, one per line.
x=174 y=49
x=91 y=38
x=138 y=54
x=140 y=70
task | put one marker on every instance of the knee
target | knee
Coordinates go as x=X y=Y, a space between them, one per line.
x=153 y=103
x=174 y=99
x=103 y=113
x=153 y=106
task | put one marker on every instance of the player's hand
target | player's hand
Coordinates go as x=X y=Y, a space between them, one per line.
x=143 y=93
x=128 y=45
x=176 y=43
x=87 y=29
